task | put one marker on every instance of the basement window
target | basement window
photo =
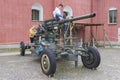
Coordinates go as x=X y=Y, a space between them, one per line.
x=112 y=16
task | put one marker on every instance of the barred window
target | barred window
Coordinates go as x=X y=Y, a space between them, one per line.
x=35 y=15
x=37 y=12
x=113 y=16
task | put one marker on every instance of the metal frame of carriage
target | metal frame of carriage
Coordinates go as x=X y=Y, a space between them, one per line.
x=66 y=48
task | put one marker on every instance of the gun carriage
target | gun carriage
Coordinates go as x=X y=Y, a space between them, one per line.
x=65 y=47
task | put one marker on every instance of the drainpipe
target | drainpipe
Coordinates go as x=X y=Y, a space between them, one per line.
x=54 y=4
x=91 y=21
x=91 y=9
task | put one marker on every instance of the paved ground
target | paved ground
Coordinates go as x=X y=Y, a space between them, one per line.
x=16 y=67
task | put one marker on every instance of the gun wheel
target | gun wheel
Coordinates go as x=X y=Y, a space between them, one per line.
x=22 y=48
x=92 y=60
x=48 y=62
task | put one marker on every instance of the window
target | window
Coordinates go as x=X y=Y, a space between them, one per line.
x=113 y=16
x=69 y=11
x=37 y=12
x=35 y=15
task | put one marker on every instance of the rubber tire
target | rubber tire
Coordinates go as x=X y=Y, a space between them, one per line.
x=95 y=62
x=22 y=48
x=52 y=62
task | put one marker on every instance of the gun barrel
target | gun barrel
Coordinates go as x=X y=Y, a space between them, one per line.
x=72 y=19
x=78 y=18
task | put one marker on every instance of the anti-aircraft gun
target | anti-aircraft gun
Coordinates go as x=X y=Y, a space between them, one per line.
x=62 y=45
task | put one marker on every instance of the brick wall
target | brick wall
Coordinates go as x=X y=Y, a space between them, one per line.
x=15 y=18
x=102 y=9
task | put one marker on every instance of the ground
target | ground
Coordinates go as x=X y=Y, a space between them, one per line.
x=16 y=67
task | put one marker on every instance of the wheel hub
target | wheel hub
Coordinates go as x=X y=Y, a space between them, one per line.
x=45 y=63
x=89 y=59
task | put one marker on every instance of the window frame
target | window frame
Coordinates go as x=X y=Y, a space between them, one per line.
x=37 y=12
x=38 y=7
x=113 y=11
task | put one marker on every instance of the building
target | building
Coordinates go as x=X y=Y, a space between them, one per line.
x=17 y=16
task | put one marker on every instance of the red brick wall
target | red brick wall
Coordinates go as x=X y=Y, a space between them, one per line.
x=15 y=18
x=102 y=9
